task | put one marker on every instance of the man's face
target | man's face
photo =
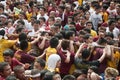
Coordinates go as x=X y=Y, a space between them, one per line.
x=7 y=59
x=20 y=74
x=7 y=71
x=37 y=66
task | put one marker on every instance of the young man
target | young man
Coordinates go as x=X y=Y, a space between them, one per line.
x=8 y=57
x=5 y=70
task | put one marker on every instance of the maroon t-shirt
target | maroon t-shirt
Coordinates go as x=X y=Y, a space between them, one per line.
x=65 y=67
x=14 y=63
x=23 y=57
x=97 y=53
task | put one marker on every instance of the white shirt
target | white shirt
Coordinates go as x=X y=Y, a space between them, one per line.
x=115 y=32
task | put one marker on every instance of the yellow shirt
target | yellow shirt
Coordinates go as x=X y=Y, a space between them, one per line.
x=80 y=2
x=50 y=51
x=29 y=15
x=105 y=16
x=93 y=33
x=5 y=44
x=116 y=58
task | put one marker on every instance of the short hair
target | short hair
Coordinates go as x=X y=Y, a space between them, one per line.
x=69 y=34
x=86 y=36
x=2 y=6
x=48 y=76
x=53 y=18
x=2 y=32
x=21 y=22
x=23 y=44
x=109 y=34
x=17 y=68
x=8 y=52
x=85 y=53
x=59 y=36
x=94 y=68
x=22 y=36
x=11 y=77
x=41 y=62
x=87 y=30
x=69 y=77
x=111 y=22
x=19 y=28
x=36 y=22
x=42 y=18
x=3 y=65
x=54 y=42
x=65 y=44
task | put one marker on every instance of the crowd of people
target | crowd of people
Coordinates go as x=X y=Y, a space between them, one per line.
x=59 y=39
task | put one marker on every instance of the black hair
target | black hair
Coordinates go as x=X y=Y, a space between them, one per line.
x=86 y=36
x=41 y=7
x=22 y=36
x=69 y=34
x=21 y=22
x=59 y=36
x=41 y=62
x=71 y=17
x=48 y=76
x=11 y=77
x=111 y=22
x=65 y=44
x=56 y=24
x=94 y=68
x=102 y=40
x=69 y=77
x=105 y=6
x=35 y=17
x=85 y=53
x=23 y=45
x=87 y=30
x=36 y=22
x=42 y=18
x=63 y=32
x=2 y=32
x=54 y=42
x=109 y=34
x=19 y=28
x=2 y=6
x=3 y=65
x=62 y=7
x=81 y=32
x=17 y=68
x=8 y=52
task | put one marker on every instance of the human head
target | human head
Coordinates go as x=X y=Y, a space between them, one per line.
x=65 y=44
x=23 y=45
x=85 y=53
x=69 y=77
x=35 y=74
x=51 y=20
x=56 y=76
x=111 y=73
x=53 y=42
x=1 y=8
x=11 y=77
x=48 y=76
x=89 y=24
x=39 y=64
x=8 y=55
x=70 y=35
x=19 y=72
x=112 y=24
x=22 y=36
x=5 y=69
x=54 y=61
x=2 y=33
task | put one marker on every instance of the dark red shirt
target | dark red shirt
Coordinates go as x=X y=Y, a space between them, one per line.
x=65 y=67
